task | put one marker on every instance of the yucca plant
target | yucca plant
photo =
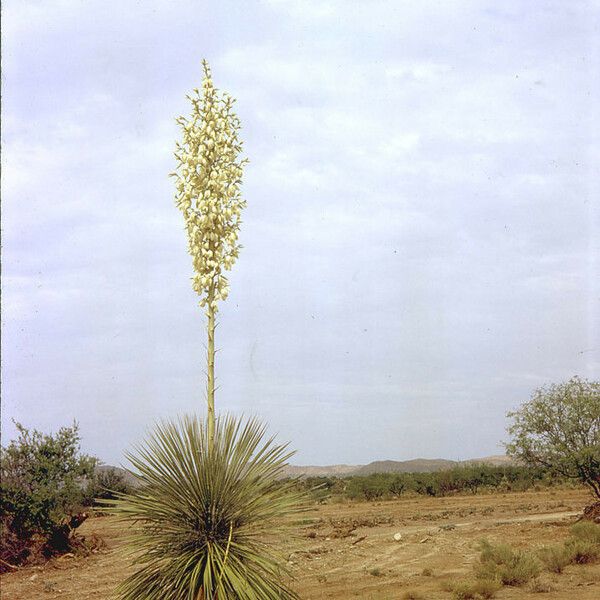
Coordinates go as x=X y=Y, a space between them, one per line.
x=207 y=515
x=210 y=499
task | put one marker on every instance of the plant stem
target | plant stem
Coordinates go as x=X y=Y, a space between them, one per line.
x=210 y=392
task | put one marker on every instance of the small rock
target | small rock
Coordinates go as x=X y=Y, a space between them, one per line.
x=33 y=577
x=425 y=539
x=397 y=537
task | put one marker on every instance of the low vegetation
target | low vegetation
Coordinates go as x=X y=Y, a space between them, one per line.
x=506 y=565
x=467 y=479
x=42 y=494
x=47 y=488
x=500 y=564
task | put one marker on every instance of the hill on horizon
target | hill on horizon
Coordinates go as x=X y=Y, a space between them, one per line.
x=415 y=465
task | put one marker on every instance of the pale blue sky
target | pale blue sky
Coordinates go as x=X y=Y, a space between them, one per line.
x=421 y=238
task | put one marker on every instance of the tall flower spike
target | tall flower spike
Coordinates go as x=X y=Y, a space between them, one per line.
x=208 y=193
x=209 y=178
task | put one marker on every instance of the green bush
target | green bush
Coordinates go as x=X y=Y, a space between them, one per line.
x=107 y=484
x=41 y=492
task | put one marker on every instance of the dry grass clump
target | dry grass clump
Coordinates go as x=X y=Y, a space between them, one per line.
x=486 y=588
x=555 y=558
x=587 y=532
x=582 y=552
x=412 y=595
x=540 y=586
x=501 y=563
x=584 y=545
x=483 y=588
x=463 y=591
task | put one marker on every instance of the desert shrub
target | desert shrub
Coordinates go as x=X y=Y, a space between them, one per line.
x=106 y=484
x=486 y=588
x=510 y=567
x=584 y=545
x=555 y=558
x=582 y=552
x=412 y=595
x=540 y=586
x=586 y=531
x=426 y=484
x=41 y=492
x=376 y=572
x=369 y=487
x=427 y=572
x=463 y=591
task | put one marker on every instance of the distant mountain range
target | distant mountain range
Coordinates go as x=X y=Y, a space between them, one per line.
x=416 y=465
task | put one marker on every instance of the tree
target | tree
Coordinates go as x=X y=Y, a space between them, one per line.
x=559 y=428
x=42 y=492
x=208 y=183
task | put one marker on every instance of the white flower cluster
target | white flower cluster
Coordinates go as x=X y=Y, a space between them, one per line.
x=209 y=179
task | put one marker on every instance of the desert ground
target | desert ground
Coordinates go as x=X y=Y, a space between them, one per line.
x=349 y=551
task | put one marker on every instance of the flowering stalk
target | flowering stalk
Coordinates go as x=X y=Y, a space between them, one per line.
x=208 y=184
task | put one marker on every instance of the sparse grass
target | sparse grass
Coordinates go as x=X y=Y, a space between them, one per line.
x=582 y=552
x=486 y=588
x=463 y=591
x=540 y=586
x=483 y=588
x=584 y=545
x=586 y=531
x=555 y=558
x=510 y=567
x=412 y=595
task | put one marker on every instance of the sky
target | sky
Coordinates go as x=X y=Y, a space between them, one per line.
x=421 y=238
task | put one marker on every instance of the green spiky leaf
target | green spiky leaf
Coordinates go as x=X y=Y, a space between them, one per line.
x=205 y=517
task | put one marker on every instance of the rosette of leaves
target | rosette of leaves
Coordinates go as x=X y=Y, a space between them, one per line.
x=207 y=519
